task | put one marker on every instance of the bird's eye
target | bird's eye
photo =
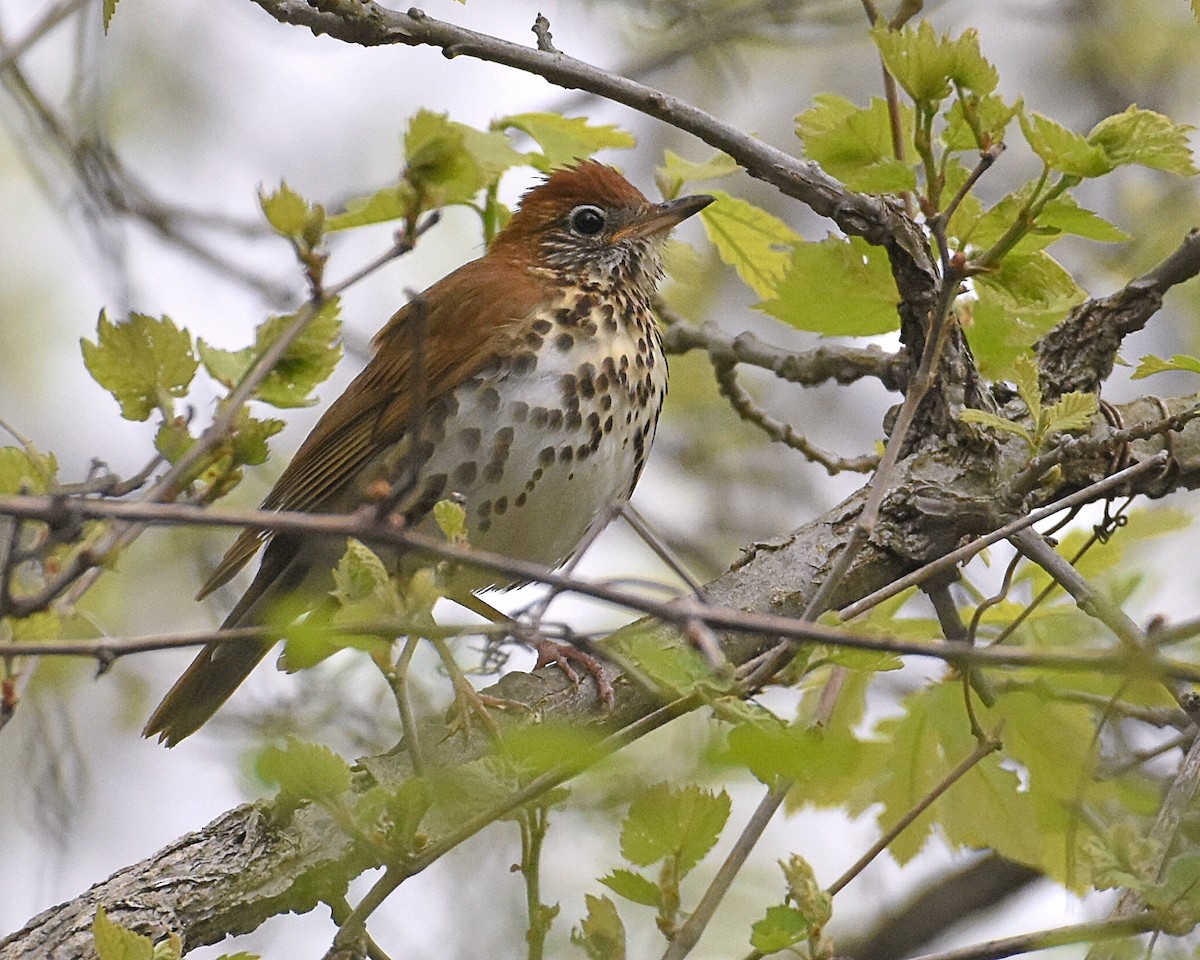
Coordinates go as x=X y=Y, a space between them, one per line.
x=587 y=221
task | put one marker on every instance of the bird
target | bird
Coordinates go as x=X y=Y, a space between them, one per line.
x=539 y=372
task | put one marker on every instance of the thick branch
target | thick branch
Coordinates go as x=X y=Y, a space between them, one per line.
x=1078 y=354
x=261 y=868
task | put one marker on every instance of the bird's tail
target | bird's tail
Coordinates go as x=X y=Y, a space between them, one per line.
x=219 y=668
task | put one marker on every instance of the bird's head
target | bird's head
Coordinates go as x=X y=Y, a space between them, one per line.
x=588 y=222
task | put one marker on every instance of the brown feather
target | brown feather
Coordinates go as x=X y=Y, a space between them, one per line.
x=374 y=411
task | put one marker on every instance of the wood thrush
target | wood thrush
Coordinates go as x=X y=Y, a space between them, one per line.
x=543 y=376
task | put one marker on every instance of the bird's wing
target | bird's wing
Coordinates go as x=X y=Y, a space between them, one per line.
x=467 y=317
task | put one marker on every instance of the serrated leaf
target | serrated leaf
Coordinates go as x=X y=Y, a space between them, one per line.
x=286 y=211
x=1064 y=150
x=304 y=771
x=917 y=58
x=601 y=933
x=1057 y=217
x=450 y=162
x=633 y=886
x=26 y=470
x=248 y=442
x=755 y=243
x=1146 y=138
x=115 y=942
x=389 y=203
x=681 y=823
x=1019 y=301
x=855 y=145
x=992 y=115
x=1150 y=365
x=676 y=172
x=564 y=139
x=171 y=948
x=143 y=362
x=1028 y=384
x=781 y=928
x=1073 y=411
x=308 y=361
x=994 y=422
x=837 y=288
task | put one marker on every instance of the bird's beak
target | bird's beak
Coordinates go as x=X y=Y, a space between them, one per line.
x=662 y=217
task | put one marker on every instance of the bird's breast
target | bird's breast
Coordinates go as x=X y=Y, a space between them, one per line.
x=551 y=433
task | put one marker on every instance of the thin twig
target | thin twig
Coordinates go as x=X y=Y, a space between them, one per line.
x=986 y=746
x=778 y=430
x=1086 y=495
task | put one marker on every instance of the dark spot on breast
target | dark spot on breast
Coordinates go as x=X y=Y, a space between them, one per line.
x=566 y=454
x=564 y=341
x=489 y=399
x=501 y=505
x=546 y=456
x=556 y=419
x=464 y=474
x=539 y=416
x=573 y=420
x=609 y=366
x=542 y=326
x=608 y=425
x=518 y=410
x=601 y=382
x=524 y=364
x=470 y=438
x=484 y=525
x=484 y=509
x=493 y=472
x=606 y=402
x=520 y=501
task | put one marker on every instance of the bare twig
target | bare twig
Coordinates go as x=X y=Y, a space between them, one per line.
x=779 y=431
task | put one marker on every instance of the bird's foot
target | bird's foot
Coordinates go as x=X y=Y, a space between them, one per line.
x=562 y=655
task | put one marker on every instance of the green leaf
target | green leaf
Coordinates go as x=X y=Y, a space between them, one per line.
x=248 y=441
x=781 y=928
x=992 y=115
x=752 y=241
x=837 y=288
x=1019 y=301
x=171 y=948
x=1145 y=138
x=854 y=144
x=388 y=203
x=1064 y=150
x=919 y=61
x=681 y=823
x=240 y=955
x=287 y=212
x=633 y=886
x=1073 y=411
x=309 y=359
x=564 y=139
x=110 y=8
x=1029 y=386
x=451 y=519
x=143 y=362
x=25 y=470
x=808 y=896
x=115 y=942
x=304 y=771
x=601 y=934
x=676 y=172
x=926 y=65
x=1150 y=365
x=1059 y=216
x=994 y=422
x=449 y=162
